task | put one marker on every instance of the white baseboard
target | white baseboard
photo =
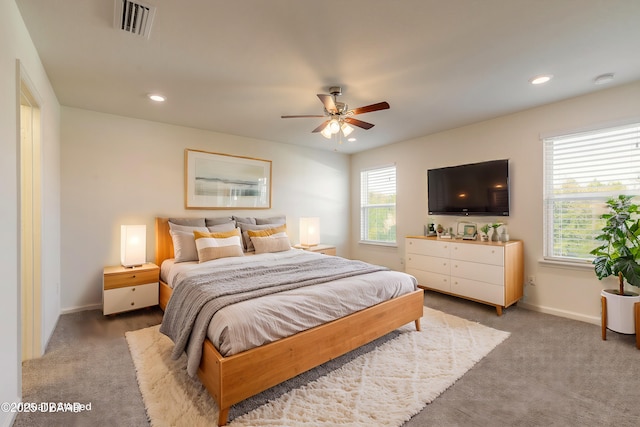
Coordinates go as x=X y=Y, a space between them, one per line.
x=561 y=313
x=82 y=308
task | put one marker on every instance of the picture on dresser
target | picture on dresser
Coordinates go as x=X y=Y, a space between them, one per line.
x=223 y=181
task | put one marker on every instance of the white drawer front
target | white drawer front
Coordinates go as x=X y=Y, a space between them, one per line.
x=130 y=298
x=429 y=263
x=472 y=270
x=437 y=281
x=478 y=253
x=428 y=247
x=480 y=291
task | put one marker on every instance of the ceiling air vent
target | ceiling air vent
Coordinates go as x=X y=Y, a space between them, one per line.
x=134 y=17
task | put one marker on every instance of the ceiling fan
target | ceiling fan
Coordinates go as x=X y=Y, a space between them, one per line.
x=339 y=116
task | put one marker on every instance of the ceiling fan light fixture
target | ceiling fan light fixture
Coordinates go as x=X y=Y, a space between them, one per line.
x=346 y=129
x=334 y=126
x=326 y=132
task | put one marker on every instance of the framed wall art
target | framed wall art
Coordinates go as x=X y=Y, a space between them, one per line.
x=223 y=181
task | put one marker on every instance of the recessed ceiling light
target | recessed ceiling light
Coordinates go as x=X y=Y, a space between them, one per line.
x=351 y=139
x=157 y=98
x=603 y=79
x=538 y=80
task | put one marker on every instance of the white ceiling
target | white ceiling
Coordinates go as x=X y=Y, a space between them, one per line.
x=237 y=66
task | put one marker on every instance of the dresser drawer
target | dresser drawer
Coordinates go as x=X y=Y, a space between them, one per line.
x=481 y=291
x=129 y=278
x=432 y=247
x=130 y=298
x=484 y=254
x=472 y=270
x=427 y=279
x=429 y=263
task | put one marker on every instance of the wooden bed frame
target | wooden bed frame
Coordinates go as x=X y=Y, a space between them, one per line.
x=232 y=379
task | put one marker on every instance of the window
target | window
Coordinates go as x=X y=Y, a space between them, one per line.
x=378 y=205
x=581 y=172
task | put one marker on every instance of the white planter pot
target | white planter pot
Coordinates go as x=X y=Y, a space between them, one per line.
x=620 y=315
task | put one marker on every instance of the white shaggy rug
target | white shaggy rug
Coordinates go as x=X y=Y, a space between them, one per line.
x=384 y=387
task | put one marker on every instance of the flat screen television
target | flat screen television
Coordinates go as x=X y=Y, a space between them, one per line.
x=472 y=189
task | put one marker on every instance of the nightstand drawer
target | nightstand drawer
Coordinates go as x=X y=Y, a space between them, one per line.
x=130 y=298
x=130 y=278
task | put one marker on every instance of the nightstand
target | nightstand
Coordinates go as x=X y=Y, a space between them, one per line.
x=125 y=289
x=323 y=249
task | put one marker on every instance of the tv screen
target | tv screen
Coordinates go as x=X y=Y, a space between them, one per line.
x=473 y=189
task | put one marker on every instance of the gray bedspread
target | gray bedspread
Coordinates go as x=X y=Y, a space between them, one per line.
x=195 y=301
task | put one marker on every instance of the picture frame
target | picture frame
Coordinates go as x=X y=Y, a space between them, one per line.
x=467 y=230
x=224 y=181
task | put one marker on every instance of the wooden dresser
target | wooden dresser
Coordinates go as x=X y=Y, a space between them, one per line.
x=488 y=272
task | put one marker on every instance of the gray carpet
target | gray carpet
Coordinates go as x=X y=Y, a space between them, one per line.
x=550 y=372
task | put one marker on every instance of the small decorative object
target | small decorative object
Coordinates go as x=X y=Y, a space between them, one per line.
x=504 y=236
x=429 y=230
x=484 y=236
x=494 y=234
x=439 y=229
x=467 y=231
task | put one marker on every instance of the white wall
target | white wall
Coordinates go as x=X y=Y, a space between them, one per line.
x=568 y=292
x=117 y=170
x=15 y=44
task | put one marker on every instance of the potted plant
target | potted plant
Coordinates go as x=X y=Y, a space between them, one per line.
x=485 y=232
x=618 y=255
x=494 y=234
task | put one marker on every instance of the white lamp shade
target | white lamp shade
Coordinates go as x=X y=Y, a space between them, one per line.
x=309 y=231
x=133 y=245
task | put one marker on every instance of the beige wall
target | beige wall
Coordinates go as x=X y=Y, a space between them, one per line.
x=117 y=170
x=15 y=44
x=568 y=292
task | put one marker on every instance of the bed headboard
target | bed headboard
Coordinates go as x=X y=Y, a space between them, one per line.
x=164 y=243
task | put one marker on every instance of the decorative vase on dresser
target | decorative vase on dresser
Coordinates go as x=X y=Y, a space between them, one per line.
x=487 y=272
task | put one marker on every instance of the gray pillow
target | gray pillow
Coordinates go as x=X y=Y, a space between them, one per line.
x=280 y=219
x=217 y=221
x=184 y=243
x=193 y=222
x=221 y=228
x=245 y=220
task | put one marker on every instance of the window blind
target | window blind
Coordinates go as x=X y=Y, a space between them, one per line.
x=378 y=205
x=581 y=172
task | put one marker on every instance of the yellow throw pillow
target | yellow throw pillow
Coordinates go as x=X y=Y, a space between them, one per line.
x=267 y=232
x=218 y=245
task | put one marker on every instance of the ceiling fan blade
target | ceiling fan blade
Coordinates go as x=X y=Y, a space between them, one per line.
x=321 y=127
x=328 y=102
x=359 y=123
x=298 y=117
x=370 y=108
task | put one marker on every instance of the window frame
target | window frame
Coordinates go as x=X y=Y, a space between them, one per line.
x=365 y=205
x=595 y=200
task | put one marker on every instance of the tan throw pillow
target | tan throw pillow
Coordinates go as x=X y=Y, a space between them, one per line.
x=218 y=245
x=274 y=243
x=263 y=231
